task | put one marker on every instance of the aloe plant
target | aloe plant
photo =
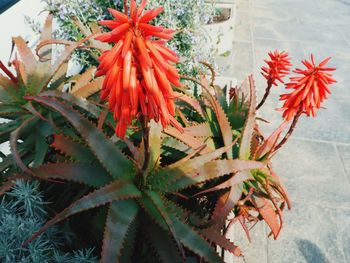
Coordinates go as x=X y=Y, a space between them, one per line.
x=26 y=125
x=174 y=188
x=32 y=76
x=142 y=190
x=220 y=121
x=158 y=190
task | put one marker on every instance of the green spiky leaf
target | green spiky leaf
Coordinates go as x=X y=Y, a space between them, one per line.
x=75 y=150
x=120 y=217
x=163 y=244
x=118 y=190
x=211 y=170
x=82 y=173
x=106 y=152
x=244 y=150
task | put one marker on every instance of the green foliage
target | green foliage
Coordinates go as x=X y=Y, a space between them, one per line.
x=33 y=75
x=185 y=16
x=175 y=188
x=22 y=213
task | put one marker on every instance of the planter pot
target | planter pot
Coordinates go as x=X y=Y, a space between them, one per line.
x=221 y=30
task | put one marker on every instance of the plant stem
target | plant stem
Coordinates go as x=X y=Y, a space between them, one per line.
x=126 y=7
x=290 y=131
x=267 y=93
x=145 y=135
x=7 y=72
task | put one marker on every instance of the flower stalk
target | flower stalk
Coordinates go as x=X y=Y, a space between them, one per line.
x=267 y=93
x=145 y=136
x=126 y=7
x=290 y=131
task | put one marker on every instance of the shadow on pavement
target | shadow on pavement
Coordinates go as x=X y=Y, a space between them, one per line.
x=311 y=252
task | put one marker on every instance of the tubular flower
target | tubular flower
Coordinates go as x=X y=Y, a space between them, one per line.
x=310 y=89
x=277 y=67
x=138 y=70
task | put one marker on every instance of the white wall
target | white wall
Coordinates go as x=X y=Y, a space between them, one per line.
x=12 y=24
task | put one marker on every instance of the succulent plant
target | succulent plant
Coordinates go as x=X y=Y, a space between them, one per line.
x=26 y=126
x=159 y=192
x=142 y=190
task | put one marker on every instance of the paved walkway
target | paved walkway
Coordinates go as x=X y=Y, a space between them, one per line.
x=315 y=164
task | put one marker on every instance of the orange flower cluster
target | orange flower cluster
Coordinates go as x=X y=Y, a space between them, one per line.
x=277 y=67
x=139 y=74
x=310 y=89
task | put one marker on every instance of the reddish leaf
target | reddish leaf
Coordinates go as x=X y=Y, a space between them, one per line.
x=113 y=160
x=88 y=32
x=15 y=135
x=189 y=140
x=89 y=89
x=244 y=150
x=270 y=142
x=83 y=79
x=46 y=31
x=282 y=188
x=267 y=211
x=190 y=101
x=212 y=235
x=9 y=183
x=235 y=180
x=199 y=130
x=227 y=202
x=84 y=104
x=155 y=141
x=26 y=55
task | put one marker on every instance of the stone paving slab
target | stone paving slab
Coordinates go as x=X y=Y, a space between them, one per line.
x=312 y=234
x=243 y=61
x=256 y=251
x=313 y=173
x=344 y=152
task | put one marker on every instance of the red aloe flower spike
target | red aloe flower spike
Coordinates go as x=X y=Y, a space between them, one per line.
x=277 y=68
x=310 y=89
x=138 y=70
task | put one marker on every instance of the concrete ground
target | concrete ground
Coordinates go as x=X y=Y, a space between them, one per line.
x=315 y=164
